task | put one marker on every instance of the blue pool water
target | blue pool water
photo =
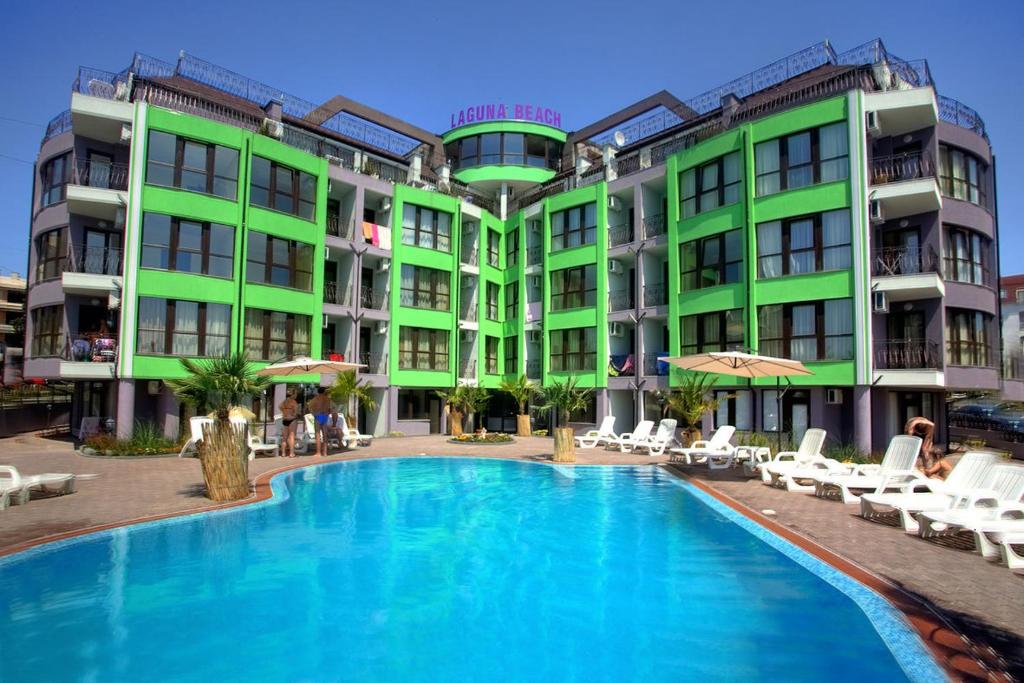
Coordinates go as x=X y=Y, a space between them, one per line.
x=444 y=569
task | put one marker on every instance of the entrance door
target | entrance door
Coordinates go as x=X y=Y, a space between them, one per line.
x=901 y=252
x=796 y=407
x=102 y=252
x=366 y=288
x=100 y=166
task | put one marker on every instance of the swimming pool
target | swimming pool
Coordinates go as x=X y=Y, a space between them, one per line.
x=448 y=569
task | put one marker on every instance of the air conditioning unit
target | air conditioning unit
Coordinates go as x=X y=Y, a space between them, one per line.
x=383 y=265
x=616 y=329
x=834 y=397
x=614 y=203
x=879 y=302
x=382 y=327
x=326 y=322
x=536 y=336
x=536 y=282
x=614 y=267
x=875 y=212
x=272 y=128
x=874 y=129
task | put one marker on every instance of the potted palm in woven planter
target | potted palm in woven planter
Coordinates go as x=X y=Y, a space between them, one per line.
x=565 y=398
x=521 y=390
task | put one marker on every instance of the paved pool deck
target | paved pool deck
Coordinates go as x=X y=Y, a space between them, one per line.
x=946 y=590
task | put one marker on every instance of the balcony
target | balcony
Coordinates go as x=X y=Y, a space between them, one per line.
x=89 y=356
x=337 y=228
x=655 y=295
x=337 y=294
x=534 y=256
x=373 y=298
x=903 y=185
x=467 y=368
x=654 y=366
x=100 y=118
x=97 y=189
x=902 y=111
x=93 y=271
x=470 y=312
x=470 y=257
x=620 y=301
x=908 y=363
x=620 y=234
x=906 y=273
x=654 y=225
x=533 y=368
x=376 y=363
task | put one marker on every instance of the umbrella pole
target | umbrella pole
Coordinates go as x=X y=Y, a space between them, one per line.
x=778 y=412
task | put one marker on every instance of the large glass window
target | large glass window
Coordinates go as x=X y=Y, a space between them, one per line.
x=574 y=227
x=491 y=355
x=282 y=188
x=54 y=179
x=572 y=349
x=807 y=331
x=711 y=261
x=427 y=288
x=967 y=338
x=279 y=262
x=512 y=248
x=710 y=185
x=274 y=335
x=427 y=228
x=511 y=355
x=52 y=259
x=174 y=161
x=708 y=332
x=420 y=348
x=517 y=149
x=807 y=244
x=47 y=331
x=171 y=327
x=966 y=256
x=493 y=291
x=493 y=248
x=574 y=287
x=511 y=301
x=178 y=244
x=962 y=175
x=819 y=155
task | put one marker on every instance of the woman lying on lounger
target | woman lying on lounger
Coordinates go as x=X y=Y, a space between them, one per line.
x=930 y=460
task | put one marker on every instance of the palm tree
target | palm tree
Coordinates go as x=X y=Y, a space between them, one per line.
x=346 y=389
x=454 y=415
x=692 y=401
x=566 y=398
x=521 y=389
x=463 y=400
x=217 y=385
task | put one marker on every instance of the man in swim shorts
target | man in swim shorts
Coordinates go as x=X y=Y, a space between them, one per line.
x=321 y=407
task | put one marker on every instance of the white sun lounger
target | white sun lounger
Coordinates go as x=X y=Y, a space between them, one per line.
x=895 y=472
x=971 y=472
x=351 y=435
x=627 y=441
x=804 y=456
x=1011 y=558
x=600 y=436
x=662 y=439
x=17 y=488
x=253 y=443
x=716 y=451
x=195 y=428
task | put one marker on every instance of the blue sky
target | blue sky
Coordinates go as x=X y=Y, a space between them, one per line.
x=422 y=60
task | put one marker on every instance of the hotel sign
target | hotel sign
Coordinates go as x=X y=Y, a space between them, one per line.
x=506 y=112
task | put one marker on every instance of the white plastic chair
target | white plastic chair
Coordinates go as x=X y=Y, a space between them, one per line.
x=895 y=472
x=627 y=441
x=602 y=435
x=717 y=446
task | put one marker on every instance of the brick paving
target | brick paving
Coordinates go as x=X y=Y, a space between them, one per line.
x=982 y=600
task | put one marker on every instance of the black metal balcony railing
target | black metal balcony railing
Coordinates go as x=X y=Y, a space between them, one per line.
x=888 y=261
x=893 y=168
x=907 y=354
x=627 y=165
x=620 y=234
x=97 y=261
x=655 y=295
x=471 y=257
x=101 y=174
x=533 y=368
x=376 y=363
x=335 y=293
x=534 y=255
x=334 y=224
x=654 y=225
x=91 y=347
x=620 y=301
x=653 y=365
x=370 y=297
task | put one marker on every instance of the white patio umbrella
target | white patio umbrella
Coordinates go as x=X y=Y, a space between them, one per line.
x=306 y=366
x=740 y=364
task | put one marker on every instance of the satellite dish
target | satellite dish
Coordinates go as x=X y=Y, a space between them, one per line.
x=619 y=138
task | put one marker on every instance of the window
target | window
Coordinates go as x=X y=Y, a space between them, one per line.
x=279 y=262
x=187 y=246
x=414 y=404
x=491 y=355
x=55 y=176
x=512 y=248
x=967 y=338
x=1020 y=320
x=573 y=349
x=425 y=288
x=174 y=161
x=735 y=408
x=821 y=330
x=282 y=188
x=53 y=254
x=961 y=175
x=47 y=331
x=493 y=248
x=966 y=256
x=1018 y=296
x=711 y=261
x=718 y=331
x=273 y=335
x=574 y=227
x=169 y=327
x=573 y=287
x=422 y=349
x=512 y=355
x=808 y=244
x=516 y=149
x=714 y=184
x=493 y=291
x=819 y=155
x=423 y=227
x=513 y=147
x=512 y=301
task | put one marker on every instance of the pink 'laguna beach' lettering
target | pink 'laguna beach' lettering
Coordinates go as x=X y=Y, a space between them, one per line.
x=502 y=112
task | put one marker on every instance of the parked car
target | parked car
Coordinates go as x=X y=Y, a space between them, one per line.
x=975 y=414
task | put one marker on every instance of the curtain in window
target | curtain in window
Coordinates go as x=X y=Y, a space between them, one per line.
x=834 y=148
x=839 y=329
x=744 y=411
x=152 y=321
x=689 y=192
x=218 y=329
x=712 y=336
x=766 y=167
x=689 y=334
x=278 y=336
x=300 y=336
x=185 y=339
x=835 y=234
x=731 y=177
x=800 y=172
x=801 y=247
x=770 y=410
x=803 y=343
x=769 y=330
x=709 y=187
x=254 y=333
x=769 y=249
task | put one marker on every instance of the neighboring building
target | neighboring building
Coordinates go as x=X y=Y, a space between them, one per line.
x=1011 y=299
x=841 y=213
x=12 y=326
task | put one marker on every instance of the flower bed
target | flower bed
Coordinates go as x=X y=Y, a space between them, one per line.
x=489 y=438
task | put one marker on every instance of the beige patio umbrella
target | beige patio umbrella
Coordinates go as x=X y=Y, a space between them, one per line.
x=749 y=365
x=306 y=366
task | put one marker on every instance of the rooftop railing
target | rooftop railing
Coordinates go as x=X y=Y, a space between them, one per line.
x=61 y=123
x=959 y=114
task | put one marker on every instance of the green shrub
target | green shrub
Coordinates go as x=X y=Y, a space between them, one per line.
x=540 y=432
x=396 y=434
x=848 y=452
x=147 y=439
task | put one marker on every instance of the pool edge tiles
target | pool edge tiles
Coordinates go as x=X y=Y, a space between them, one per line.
x=892 y=626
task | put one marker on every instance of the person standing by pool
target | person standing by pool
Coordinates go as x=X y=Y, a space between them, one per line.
x=289 y=424
x=320 y=406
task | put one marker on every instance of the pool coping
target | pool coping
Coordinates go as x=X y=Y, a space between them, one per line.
x=938 y=635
